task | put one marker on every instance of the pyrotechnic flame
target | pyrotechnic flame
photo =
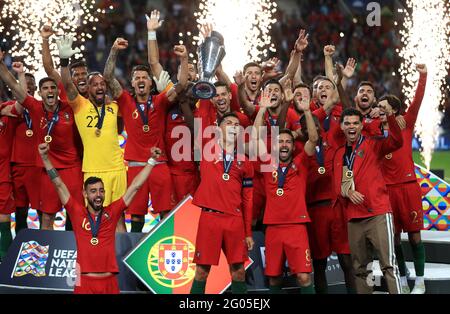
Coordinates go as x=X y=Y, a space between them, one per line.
x=245 y=25
x=28 y=17
x=426 y=39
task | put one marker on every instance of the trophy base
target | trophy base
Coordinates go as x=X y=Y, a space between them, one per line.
x=204 y=90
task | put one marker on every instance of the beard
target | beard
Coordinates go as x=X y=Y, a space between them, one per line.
x=95 y=207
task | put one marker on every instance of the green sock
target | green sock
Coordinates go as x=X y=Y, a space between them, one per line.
x=238 y=287
x=275 y=290
x=307 y=289
x=21 y=219
x=418 y=251
x=198 y=287
x=5 y=237
x=400 y=260
x=137 y=226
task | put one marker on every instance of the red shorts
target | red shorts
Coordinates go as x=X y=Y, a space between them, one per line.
x=97 y=285
x=327 y=231
x=406 y=202
x=217 y=231
x=259 y=197
x=7 y=204
x=158 y=184
x=73 y=179
x=26 y=181
x=184 y=184
x=287 y=242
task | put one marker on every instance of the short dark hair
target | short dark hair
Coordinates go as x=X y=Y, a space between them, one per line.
x=251 y=64
x=351 y=112
x=46 y=79
x=226 y=115
x=303 y=85
x=366 y=83
x=77 y=64
x=92 y=180
x=141 y=67
x=286 y=131
x=273 y=81
x=222 y=84
x=31 y=76
x=394 y=102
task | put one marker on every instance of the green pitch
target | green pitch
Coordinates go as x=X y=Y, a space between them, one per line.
x=441 y=160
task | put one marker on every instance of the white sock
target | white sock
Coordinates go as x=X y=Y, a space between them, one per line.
x=404 y=281
x=419 y=280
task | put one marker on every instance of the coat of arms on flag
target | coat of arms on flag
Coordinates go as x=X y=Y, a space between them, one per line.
x=173 y=260
x=31 y=259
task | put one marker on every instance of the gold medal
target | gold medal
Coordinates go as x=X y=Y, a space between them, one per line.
x=48 y=139
x=388 y=156
x=226 y=177
x=349 y=174
x=280 y=192
x=145 y=128
x=321 y=170
x=98 y=132
x=94 y=241
x=29 y=133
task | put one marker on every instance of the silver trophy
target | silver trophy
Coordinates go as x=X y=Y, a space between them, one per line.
x=210 y=54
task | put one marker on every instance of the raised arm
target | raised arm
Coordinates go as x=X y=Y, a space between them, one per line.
x=288 y=97
x=413 y=110
x=61 y=188
x=141 y=178
x=18 y=92
x=345 y=100
x=110 y=66
x=65 y=52
x=222 y=76
x=153 y=23
x=181 y=52
x=348 y=71
x=246 y=105
x=300 y=44
x=394 y=140
x=313 y=136
x=328 y=52
x=46 y=33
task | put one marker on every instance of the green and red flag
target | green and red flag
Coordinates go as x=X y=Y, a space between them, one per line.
x=163 y=259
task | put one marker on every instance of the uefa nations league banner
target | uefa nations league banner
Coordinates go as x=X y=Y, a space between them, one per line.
x=161 y=259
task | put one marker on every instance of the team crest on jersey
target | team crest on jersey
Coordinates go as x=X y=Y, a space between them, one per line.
x=66 y=116
x=170 y=261
x=110 y=109
x=361 y=153
x=43 y=123
x=106 y=215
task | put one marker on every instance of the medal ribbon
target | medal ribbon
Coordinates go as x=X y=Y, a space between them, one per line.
x=144 y=113
x=319 y=154
x=226 y=163
x=282 y=175
x=27 y=118
x=326 y=123
x=350 y=161
x=52 y=122
x=95 y=225
x=101 y=116
x=272 y=121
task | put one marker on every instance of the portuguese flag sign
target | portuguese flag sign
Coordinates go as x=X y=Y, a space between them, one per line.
x=163 y=259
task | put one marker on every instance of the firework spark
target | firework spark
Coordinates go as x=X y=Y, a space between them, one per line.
x=245 y=25
x=425 y=38
x=27 y=18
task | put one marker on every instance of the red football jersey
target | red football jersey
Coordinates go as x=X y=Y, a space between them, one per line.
x=62 y=92
x=235 y=196
x=367 y=173
x=398 y=167
x=24 y=148
x=7 y=130
x=319 y=185
x=175 y=119
x=139 y=142
x=64 y=147
x=100 y=258
x=290 y=208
